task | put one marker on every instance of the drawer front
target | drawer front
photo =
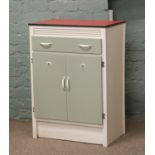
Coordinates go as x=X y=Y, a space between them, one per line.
x=74 y=45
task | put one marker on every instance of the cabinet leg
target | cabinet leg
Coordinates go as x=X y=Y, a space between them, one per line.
x=105 y=145
x=105 y=142
x=34 y=128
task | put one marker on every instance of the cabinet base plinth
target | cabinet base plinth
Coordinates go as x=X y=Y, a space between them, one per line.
x=85 y=134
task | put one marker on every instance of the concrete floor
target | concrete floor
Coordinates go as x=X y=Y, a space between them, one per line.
x=21 y=142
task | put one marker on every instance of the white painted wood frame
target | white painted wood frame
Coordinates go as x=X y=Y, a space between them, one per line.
x=113 y=72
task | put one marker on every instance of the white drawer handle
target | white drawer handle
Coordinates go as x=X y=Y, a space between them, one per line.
x=85 y=47
x=46 y=45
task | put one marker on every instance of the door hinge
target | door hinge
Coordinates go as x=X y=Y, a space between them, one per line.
x=33 y=109
x=103 y=115
x=102 y=63
x=31 y=60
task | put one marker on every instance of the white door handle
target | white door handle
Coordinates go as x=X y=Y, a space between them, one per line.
x=63 y=82
x=46 y=45
x=85 y=47
x=68 y=83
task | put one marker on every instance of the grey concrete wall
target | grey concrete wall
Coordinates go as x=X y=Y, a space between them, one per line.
x=134 y=13
x=25 y=11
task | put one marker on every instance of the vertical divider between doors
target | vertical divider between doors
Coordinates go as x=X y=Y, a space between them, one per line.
x=66 y=90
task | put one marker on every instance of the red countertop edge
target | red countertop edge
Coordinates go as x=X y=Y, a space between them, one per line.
x=77 y=23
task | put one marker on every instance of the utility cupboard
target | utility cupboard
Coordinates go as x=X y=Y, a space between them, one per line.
x=77 y=80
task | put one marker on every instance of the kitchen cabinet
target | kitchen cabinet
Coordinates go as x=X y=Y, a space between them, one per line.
x=77 y=80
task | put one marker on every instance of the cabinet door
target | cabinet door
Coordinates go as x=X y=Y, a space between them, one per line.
x=49 y=95
x=84 y=94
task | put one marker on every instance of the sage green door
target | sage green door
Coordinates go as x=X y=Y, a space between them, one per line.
x=48 y=83
x=84 y=93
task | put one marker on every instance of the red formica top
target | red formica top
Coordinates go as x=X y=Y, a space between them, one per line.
x=78 y=23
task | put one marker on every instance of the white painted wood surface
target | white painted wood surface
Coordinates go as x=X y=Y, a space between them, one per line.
x=70 y=132
x=113 y=54
x=123 y=84
x=75 y=32
x=115 y=81
x=104 y=88
x=34 y=121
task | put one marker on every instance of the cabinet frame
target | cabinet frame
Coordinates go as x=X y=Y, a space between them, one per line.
x=99 y=134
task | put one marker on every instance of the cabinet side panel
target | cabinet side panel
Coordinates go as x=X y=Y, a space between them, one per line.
x=115 y=81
